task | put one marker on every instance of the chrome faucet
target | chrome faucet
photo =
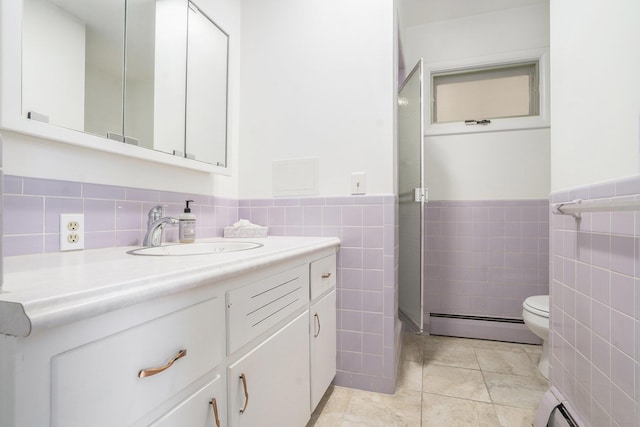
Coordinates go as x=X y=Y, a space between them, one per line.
x=155 y=226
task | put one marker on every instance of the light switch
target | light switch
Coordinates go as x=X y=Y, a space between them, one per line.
x=358 y=183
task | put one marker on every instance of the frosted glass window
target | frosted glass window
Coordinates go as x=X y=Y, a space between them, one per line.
x=485 y=93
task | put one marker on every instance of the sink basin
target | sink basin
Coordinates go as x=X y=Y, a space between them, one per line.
x=203 y=248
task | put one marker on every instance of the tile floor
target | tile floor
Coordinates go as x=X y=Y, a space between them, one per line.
x=444 y=381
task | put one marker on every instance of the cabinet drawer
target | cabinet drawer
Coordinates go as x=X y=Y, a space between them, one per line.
x=98 y=384
x=323 y=276
x=255 y=308
x=197 y=410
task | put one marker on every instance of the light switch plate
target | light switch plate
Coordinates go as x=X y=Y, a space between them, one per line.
x=358 y=183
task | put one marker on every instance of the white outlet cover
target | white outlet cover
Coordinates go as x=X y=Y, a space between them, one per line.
x=65 y=244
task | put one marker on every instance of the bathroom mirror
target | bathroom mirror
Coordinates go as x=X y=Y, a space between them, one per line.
x=72 y=69
x=160 y=83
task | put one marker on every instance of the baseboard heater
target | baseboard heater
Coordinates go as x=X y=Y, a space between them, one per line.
x=483 y=318
x=481 y=327
x=553 y=412
x=566 y=415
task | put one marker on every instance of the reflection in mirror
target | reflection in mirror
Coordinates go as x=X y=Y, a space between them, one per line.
x=206 y=128
x=156 y=73
x=72 y=63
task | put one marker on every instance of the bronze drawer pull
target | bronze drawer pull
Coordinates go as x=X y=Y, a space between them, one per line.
x=215 y=411
x=152 y=371
x=326 y=275
x=317 y=317
x=246 y=393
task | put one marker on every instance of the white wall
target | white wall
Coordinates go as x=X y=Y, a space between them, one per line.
x=488 y=166
x=482 y=166
x=28 y=156
x=478 y=35
x=317 y=81
x=595 y=103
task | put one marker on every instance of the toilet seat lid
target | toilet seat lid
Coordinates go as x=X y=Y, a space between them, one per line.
x=538 y=304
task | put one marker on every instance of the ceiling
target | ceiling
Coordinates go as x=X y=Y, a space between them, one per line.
x=419 y=12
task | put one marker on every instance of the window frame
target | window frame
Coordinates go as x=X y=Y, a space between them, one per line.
x=542 y=120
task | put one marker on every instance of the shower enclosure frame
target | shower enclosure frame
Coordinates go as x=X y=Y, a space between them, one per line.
x=411 y=276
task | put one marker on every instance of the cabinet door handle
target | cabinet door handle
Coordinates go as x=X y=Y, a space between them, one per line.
x=152 y=371
x=317 y=317
x=246 y=393
x=326 y=275
x=215 y=411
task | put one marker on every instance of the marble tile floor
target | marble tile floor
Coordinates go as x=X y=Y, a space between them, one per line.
x=445 y=381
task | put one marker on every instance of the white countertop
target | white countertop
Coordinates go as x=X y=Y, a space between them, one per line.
x=46 y=290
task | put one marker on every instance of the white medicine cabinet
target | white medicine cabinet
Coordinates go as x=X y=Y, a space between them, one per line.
x=141 y=78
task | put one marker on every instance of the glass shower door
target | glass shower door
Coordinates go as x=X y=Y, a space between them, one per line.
x=411 y=198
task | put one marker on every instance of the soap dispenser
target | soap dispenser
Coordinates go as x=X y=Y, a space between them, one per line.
x=187 y=225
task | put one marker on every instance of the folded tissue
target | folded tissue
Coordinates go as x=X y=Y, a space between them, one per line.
x=244 y=228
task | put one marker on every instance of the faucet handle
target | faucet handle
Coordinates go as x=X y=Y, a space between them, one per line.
x=155 y=213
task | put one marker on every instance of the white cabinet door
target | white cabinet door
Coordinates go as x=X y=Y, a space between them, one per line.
x=323 y=346
x=205 y=408
x=276 y=377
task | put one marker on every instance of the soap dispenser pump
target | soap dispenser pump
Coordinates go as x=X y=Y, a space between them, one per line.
x=187 y=225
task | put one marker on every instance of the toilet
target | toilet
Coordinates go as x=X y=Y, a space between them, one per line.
x=535 y=313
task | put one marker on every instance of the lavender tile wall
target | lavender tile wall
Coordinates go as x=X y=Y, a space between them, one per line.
x=485 y=257
x=367 y=262
x=114 y=216
x=595 y=308
x=367 y=275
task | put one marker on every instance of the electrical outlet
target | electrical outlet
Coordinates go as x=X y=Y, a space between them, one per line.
x=71 y=232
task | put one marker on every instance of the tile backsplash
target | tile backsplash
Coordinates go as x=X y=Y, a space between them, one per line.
x=114 y=216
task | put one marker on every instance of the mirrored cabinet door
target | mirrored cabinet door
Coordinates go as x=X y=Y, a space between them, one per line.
x=207 y=52
x=155 y=76
x=72 y=63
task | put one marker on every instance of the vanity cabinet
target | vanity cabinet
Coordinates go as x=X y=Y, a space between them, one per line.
x=247 y=349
